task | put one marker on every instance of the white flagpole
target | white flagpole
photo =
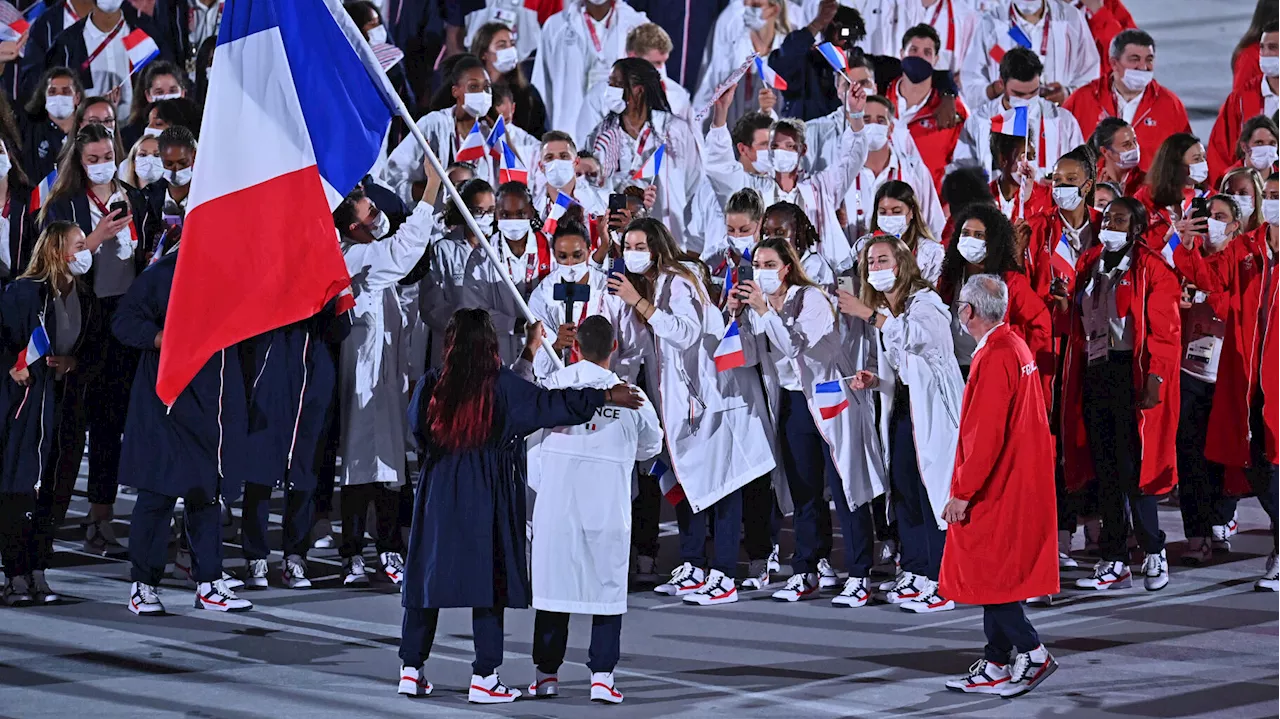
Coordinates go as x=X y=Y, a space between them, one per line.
x=375 y=69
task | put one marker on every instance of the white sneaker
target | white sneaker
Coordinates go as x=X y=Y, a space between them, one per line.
x=1232 y=525
x=545 y=685
x=294 y=572
x=1044 y=600
x=1270 y=581
x=325 y=541
x=41 y=593
x=984 y=677
x=1199 y=551
x=1064 y=551
x=1029 y=669
x=255 y=573
x=645 y=568
x=182 y=565
x=685 y=579
x=717 y=589
x=774 y=563
x=827 y=577
x=908 y=588
x=144 y=599
x=1155 y=570
x=889 y=556
x=233 y=583
x=929 y=602
x=759 y=571
x=1107 y=575
x=1222 y=534
x=413 y=684
x=491 y=690
x=854 y=594
x=1092 y=535
x=798 y=587
x=392 y=566
x=889 y=584
x=322 y=531
x=353 y=572
x=215 y=596
x=603 y=688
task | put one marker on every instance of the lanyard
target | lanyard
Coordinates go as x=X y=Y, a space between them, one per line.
x=951 y=23
x=1044 y=41
x=643 y=139
x=133 y=231
x=591 y=28
x=857 y=182
x=103 y=45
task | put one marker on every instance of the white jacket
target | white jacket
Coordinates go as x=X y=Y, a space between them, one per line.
x=721 y=64
x=1061 y=135
x=593 y=112
x=805 y=337
x=404 y=164
x=581 y=544
x=374 y=365
x=1072 y=58
x=567 y=65
x=916 y=347
x=523 y=22
x=551 y=311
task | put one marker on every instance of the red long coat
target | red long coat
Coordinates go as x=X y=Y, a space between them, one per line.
x=1244 y=102
x=936 y=144
x=1149 y=294
x=1005 y=550
x=1160 y=114
x=1238 y=270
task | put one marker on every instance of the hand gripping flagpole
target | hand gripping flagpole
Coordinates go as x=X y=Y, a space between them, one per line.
x=375 y=69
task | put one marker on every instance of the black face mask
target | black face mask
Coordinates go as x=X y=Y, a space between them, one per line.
x=916 y=69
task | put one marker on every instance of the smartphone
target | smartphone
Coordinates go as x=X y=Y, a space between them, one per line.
x=121 y=207
x=173 y=220
x=619 y=268
x=846 y=284
x=617 y=202
x=745 y=273
x=1200 y=208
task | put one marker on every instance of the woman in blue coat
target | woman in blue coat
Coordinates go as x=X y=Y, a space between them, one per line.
x=291 y=379
x=467 y=544
x=194 y=450
x=48 y=324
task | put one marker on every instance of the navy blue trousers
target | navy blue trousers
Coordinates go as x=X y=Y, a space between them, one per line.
x=149 y=537
x=551 y=638
x=299 y=516
x=920 y=539
x=1007 y=629
x=418 y=633
x=727 y=530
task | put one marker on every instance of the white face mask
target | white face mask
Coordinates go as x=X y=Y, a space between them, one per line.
x=1113 y=239
x=378 y=35
x=1245 y=204
x=785 y=161
x=569 y=273
x=1137 y=80
x=882 y=280
x=1270 y=66
x=614 y=100
x=181 y=178
x=1068 y=198
x=148 y=168
x=769 y=281
x=59 y=107
x=762 y=164
x=753 y=18
x=877 y=136
x=506 y=59
x=972 y=248
x=5 y=165
x=485 y=222
x=637 y=261
x=1028 y=7
x=598 y=3
x=1019 y=101
x=1129 y=159
x=893 y=224
x=80 y=262
x=477 y=104
x=101 y=173
x=381 y=226
x=1271 y=212
x=1198 y=171
x=740 y=244
x=559 y=172
x=513 y=229
x=1263 y=157
x=152 y=132
x=1217 y=232
x=109 y=5
x=163 y=97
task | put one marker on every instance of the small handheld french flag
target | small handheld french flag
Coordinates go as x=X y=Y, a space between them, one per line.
x=1174 y=243
x=729 y=353
x=496 y=135
x=555 y=212
x=510 y=168
x=37 y=347
x=472 y=147
x=40 y=194
x=768 y=76
x=141 y=50
x=667 y=482
x=830 y=398
x=12 y=25
x=651 y=166
x=1061 y=259
x=1007 y=41
x=835 y=56
x=1010 y=122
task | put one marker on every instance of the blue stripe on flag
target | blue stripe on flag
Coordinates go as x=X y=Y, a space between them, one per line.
x=658 y=469
x=1019 y=36
x=40 y=339
x=828 y=387
x=733 y=329
x=1020 y=121
x=242 y=18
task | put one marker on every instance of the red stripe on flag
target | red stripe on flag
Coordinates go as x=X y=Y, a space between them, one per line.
x=833 y=410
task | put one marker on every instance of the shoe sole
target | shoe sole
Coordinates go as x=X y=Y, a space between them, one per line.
x=1049 y=670
x=605 y=695
x=301 y=585
x=201 y=605
x=490 y=700
x=254 y=584
x=1156 y=589
x=978 y=690
x=1126 y=583
x=136 y=613
x=1264 y=588
x=711 y=602
x=362 y=582
x=800 y=598
x=929 y=610
x=413 y=691
x=850 y=604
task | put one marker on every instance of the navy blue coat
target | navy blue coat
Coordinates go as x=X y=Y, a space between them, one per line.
x=290 y=378
x=30 y=415
x=69 y=50
x=22 y=230
x=147 y=218
x=197 y=448
x=467 y=542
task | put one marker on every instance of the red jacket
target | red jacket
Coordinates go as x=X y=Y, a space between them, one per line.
x=935 y=144
x=1026 y=315
x=1244 y=102
x=1046 y=230
x=1149 y=294
x=1041 y=200
x=1238 y=270
x=1246 y=68
x=1004 y=551
x=1104 y=25
x=1160 y=114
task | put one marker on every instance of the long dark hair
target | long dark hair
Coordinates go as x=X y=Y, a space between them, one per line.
x=1168 y=174
x=638 y=72
x=667 y=257
x=902 y=192
x=1001 y=254
x=480 y=45
x=1263 y=15
x=453 y=69
x=460 y=414
x=140 y=107
x=72 y=177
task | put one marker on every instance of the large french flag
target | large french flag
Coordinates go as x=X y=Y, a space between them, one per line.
x=259 y=246
x=1008 y=40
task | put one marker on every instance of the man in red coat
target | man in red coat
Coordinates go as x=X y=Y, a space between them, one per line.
x=1001 y=518
x=1130 y=92
x=1255 y=97
x=918 y=102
